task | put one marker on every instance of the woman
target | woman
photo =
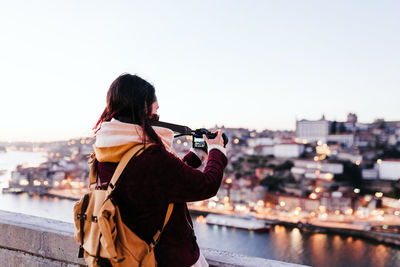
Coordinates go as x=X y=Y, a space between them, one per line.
x=156 y=177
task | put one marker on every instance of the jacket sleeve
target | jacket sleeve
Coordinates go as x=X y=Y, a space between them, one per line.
x=192 y=160
x=188 y=184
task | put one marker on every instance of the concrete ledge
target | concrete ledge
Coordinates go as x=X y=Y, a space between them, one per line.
x=220 y=258
x=38 y=237
x=11 y=258
x=35 y=241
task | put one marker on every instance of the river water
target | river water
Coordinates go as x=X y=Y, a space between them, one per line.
x=283 y=244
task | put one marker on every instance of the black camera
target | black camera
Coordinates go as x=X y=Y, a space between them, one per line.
x=199 y=142
x=197 y=135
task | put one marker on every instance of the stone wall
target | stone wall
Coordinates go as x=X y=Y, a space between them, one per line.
x=34 y=241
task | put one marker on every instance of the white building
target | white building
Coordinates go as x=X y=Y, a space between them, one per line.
x=393 y=139
x=17 y=177
x=288 y=150
x=261 y=141
x=235 y=195
x=318 y=175
x=345 y=139
x=337 y=202
x=58 y=177
x=241 y=194
x=222 y=192
x=261 y=150
x=389 y=169
x=312 y=131
x=363 y=127
x=329 y=167
x=259 y=193
x=370 y=174
x=293 y=202
x=364 y=139
x=355 y=158
x=298 y=170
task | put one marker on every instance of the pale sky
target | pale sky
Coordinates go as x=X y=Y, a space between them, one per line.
x=255 y=64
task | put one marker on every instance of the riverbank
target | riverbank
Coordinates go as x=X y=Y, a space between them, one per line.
x=342 y=229
x=309 y=226
x=375 y=236
x=51 y=194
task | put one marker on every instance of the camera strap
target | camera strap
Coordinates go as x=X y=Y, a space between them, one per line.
x=174 y=127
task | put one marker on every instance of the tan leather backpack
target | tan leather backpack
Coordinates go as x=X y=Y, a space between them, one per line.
x=104 y=239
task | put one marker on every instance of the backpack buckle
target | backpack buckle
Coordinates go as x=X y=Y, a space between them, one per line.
x=81 y=252
x=81 y=216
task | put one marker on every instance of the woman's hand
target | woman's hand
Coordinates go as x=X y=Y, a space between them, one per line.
x=218 y=140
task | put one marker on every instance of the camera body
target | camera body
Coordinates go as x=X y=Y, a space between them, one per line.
x=199 y=142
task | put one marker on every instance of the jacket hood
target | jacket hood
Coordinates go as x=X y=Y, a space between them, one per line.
x=115 y=138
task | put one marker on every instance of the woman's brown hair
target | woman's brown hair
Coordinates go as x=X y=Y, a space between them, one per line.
x=130 y=100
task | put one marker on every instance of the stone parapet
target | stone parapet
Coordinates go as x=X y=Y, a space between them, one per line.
x=34 y=241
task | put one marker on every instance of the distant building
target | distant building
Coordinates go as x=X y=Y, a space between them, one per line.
x=393 y=140
x=294 y=202
x=318 y=175
x=261 y=173
x=288 y=150
x=260 y=141
x=392 y=126
x=337 y=202
x=259 y=193
x=345 y=139
x=261 y=150
x=335 y=168
x=364 y=139
x=222 y=192
x=384 y=186
x=351 y=124
x=363 y=127
x=308 y=131
x=58 y=176
x=233 y=133
x=370 y=174
x=389 y=169
x=354 y=158
x=352 y=117
x=241 y=195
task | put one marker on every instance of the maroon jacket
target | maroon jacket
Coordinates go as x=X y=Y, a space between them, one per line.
x=153 y=180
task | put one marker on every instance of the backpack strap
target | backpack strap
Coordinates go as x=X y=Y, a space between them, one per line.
x=133 y=152
x=93 y=174
x=82 y=218
x=93 y=177
x=157 y=236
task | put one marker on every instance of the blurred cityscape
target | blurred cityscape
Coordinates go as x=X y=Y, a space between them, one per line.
x=343 y=174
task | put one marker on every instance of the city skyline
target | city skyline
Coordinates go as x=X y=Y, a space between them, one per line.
x=258 y=66
x=90 y=133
